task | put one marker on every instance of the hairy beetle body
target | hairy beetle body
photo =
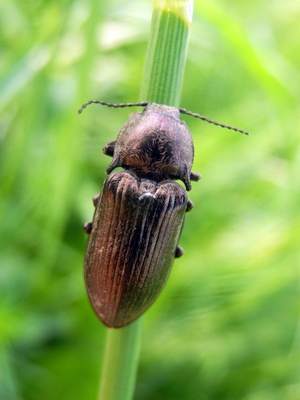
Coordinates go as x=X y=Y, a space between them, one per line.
x=139 y=215
x=140 y=212
x=132 y=245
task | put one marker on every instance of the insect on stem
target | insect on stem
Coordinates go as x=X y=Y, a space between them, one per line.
x=145 y=103
x=139 y=215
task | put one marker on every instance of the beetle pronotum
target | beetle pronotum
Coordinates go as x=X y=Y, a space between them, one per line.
x=139 y=214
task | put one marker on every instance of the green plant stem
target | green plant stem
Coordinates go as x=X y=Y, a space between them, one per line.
x=162 y=83
x=120 y=362
x=171 y=21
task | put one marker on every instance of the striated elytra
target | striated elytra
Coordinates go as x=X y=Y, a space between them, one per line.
x=132 y=245
x=139 y=214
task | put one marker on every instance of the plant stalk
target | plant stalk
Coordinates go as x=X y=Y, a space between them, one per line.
x=164 y=68
x=120 y=362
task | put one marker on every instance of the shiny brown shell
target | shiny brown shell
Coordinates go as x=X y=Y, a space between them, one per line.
x=132 y=243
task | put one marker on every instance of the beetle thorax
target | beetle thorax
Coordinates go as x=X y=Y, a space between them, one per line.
x=155 y=144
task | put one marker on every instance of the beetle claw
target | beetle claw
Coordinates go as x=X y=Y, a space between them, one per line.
x=88 y=227
x=189 y=205
x=195 y=176
x=96 y=199
x=179 y=252
x=109 y=148
x=114 y=164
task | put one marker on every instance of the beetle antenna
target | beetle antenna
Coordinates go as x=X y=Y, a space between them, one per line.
x=120 y=105
x=184 y=111
x=145 y=103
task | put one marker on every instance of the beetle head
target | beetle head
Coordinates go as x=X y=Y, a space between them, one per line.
x=155 y=143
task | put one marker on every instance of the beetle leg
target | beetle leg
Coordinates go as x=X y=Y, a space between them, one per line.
x=96 y=199
x=195 y=176
x=88 y=227
x=189 y=205
x=179 y=252
x=187 y=183
x=185 y=177
x=114 y=164
x=109 y=148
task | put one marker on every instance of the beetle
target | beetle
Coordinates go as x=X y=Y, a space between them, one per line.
x=140 y=212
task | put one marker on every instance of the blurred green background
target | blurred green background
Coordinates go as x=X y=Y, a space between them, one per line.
x=226 y=326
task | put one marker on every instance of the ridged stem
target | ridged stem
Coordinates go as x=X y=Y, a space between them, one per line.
x=171 y=20
x=166 y=54
x=120 y=362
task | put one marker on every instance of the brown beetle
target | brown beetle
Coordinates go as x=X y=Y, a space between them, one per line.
x=139 y=215
x=132 y=244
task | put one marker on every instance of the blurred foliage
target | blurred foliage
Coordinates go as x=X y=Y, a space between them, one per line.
x=227 y=324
